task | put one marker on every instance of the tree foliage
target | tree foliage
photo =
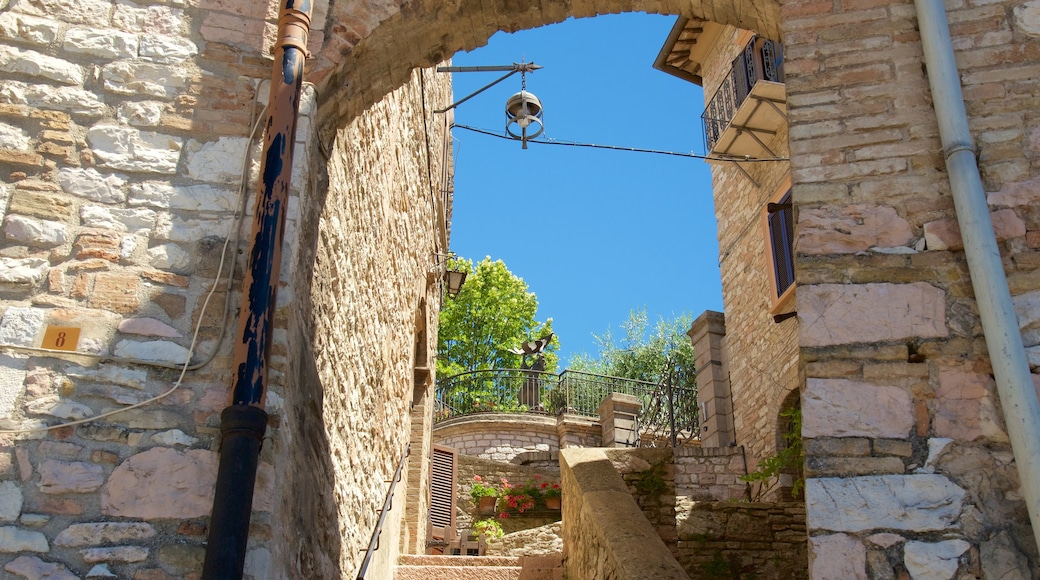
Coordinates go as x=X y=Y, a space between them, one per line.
x=493 y=313
x=645 y=353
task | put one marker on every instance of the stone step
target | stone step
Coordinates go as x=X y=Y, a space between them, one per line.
x=483 y=561
x=479 y=568
x=407 y=572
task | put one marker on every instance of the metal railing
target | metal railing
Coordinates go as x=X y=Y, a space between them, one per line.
x=668 y=412
x=762 y=59
x=388 y=504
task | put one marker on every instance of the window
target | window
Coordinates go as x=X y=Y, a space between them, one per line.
x=780 y=227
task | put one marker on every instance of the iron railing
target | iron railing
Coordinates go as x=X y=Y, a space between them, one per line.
x=762 y=59
x=388 y=504
x=668 y=412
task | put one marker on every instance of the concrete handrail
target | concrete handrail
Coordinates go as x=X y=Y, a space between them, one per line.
x=605 y=534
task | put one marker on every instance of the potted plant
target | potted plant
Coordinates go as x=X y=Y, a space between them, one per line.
x=484 y=496
x=489 y=528
x=552 y=494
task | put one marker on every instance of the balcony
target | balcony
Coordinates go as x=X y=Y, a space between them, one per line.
x=572 y=392
x=750 y=106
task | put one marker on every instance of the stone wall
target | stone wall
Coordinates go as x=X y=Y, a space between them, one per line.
x=710 y=474
x=899 y=402
x=607 y=533
x=544 y=540
x=761 y=355
x=493 y=472
x=123 y=128
x=126 y=133
x=498 y=436
x=353 y=391
x=743 y=540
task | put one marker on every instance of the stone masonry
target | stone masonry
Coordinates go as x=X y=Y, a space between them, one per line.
x=124 y=129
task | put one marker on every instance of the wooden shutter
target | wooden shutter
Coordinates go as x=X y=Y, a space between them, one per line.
x=781 y=234
x=443 y=463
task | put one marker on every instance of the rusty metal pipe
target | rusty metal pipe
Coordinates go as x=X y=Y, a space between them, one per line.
x=229 y=522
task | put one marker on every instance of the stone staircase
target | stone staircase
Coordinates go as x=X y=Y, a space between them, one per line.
x=479 y=568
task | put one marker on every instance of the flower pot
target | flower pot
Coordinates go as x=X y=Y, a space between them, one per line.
x=486 y=505
x=553 y=503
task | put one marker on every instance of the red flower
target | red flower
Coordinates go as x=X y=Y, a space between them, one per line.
x=477 y=478
x=503 y=515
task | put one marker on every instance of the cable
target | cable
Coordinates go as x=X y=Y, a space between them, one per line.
x=735 y=159
x=186 y=366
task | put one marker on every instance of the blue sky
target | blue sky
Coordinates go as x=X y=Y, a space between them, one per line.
x=594 y=233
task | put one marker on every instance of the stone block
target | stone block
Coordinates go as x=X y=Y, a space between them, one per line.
x=934 y=561
x=129 y=149
x=57 y=477
x=32 y=232
x=117 y=292
x=924 y=502
x=35 y=64
x=851 y=229
x=844 y=408
x=837 y=556
x=109 y=44
x=29 y=29
x=852 y=466
x=833 y=314
x=966 y=407
x=147 y=79
x=92 y=184
x=98 y=533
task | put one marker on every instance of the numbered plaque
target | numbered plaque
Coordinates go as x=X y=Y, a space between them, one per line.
x=60 y=338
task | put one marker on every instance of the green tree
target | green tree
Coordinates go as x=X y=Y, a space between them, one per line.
x=493 y=313
x=644 y=353
x=661 y=355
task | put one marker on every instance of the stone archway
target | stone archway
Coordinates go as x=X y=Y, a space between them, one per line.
x=881 y=269
x=372 y=50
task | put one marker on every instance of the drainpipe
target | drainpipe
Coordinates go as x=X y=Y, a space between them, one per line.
x=244 y=421
x=999 y=322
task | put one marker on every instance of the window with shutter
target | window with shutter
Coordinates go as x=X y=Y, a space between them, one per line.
x=443 y=463
x=779 y=221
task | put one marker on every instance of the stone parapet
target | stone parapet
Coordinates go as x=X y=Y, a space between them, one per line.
x=607 y=535
x=498 y=436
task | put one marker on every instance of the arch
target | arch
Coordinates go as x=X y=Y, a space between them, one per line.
x=363 y=59
x=788 y=431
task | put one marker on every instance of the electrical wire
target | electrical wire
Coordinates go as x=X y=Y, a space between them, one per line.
x=234 y=233
x=549 y=141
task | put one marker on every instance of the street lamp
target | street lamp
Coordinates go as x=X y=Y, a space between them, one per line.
x=522 y=109
x=454 y=279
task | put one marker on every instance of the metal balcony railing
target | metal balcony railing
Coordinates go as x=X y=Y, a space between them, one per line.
x=666 y=409
x=761 y=60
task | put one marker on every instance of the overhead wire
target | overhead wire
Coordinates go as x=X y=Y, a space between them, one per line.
x=550 y=141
